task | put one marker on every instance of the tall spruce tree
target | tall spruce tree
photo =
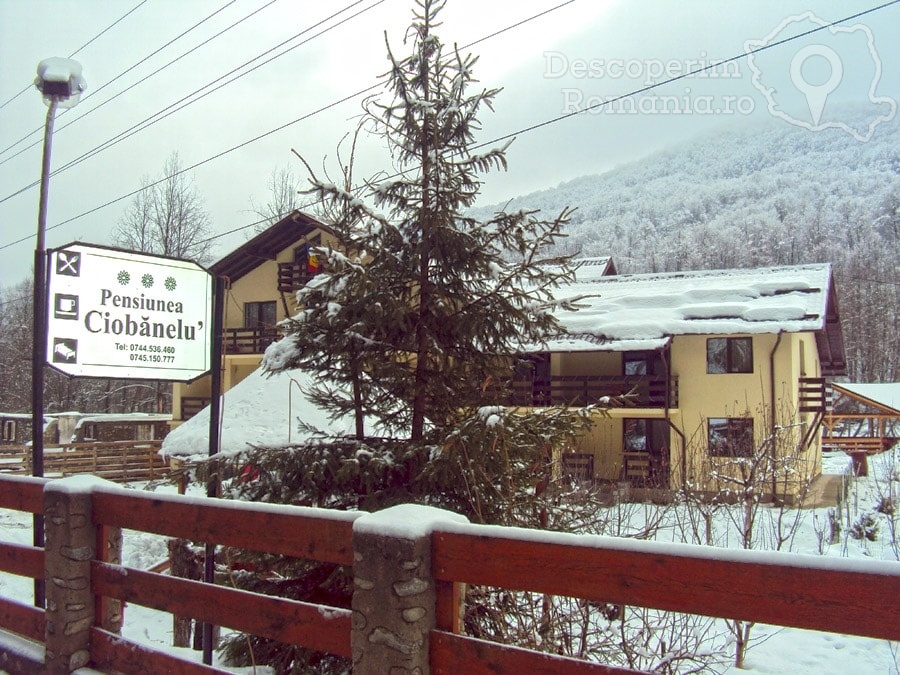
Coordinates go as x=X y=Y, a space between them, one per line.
x=415 y=323
x=422 y=308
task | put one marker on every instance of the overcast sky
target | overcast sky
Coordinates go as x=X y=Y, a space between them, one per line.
x=579 y=55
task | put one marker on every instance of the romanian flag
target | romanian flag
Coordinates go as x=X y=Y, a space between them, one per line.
x=312 y=262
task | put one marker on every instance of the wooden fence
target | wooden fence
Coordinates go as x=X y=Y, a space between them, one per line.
x=409 y=564
x=119 y=461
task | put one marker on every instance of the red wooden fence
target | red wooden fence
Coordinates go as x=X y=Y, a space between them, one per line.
x=801 y=591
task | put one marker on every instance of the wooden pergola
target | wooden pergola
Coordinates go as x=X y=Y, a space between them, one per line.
x=863 y=419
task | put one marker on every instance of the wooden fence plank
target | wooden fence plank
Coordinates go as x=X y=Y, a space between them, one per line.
x=314 y=626
x=22 y=493
x=26 y=561
x=112 y=652
x=25 y=620
x=297 y=532
x=120 y=461
x=785 y=590
x=451 y=654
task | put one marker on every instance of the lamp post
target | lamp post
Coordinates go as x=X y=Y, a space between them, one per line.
x=61 y=83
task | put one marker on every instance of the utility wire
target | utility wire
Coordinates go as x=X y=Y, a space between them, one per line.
x=139 y=82
x=354 y=95
x=109 y=27
x=508 y=136
x=642 y=90
x=597 y=105
x=187 y=100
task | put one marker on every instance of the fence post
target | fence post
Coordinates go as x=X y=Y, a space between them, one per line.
x=70 y=546
x=394 y=593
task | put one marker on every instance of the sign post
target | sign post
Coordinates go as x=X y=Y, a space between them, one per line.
x=125 y=315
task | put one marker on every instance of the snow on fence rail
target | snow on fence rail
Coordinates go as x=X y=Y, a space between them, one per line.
x=406 y=558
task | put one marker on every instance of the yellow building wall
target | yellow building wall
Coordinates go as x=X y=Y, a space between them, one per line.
x=604 y=441
x=703 y=395
x=261 y=284
x=258 y=285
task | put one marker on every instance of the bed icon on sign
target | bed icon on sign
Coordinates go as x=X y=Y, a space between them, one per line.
x=65 y=350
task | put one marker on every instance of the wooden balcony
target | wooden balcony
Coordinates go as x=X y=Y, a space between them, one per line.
x=292 y=276
x=582 y=390
x=813 y=395
x=191 y=405
x=249 y=340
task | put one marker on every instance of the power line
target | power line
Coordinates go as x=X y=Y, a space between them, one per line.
x=109 y=27
x=256 y=138
x=711 y=66
x=498 y=139
x=600 y=104
x=129 y=69
x=188 y=100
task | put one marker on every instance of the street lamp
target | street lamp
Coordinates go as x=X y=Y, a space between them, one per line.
x=61 y=83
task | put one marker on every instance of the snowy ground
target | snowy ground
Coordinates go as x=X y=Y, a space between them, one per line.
x=774 y=650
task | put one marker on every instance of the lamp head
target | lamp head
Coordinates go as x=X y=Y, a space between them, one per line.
x=60 y=79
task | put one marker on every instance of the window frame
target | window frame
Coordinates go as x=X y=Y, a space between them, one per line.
x=739 y=435
x=258 y=316
x=732 y=361
x=89 y=431
x=8 y=434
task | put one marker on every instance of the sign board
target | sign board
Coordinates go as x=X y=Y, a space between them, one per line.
x=124 y=315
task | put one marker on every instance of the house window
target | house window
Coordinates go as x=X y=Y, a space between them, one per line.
x=643 y=363
x=259 y=315
x=533 y=376
x=645 y=435
x=729 y=355
x=90 y=432
x=635 y=363
x=9 y=431
x=635 y=436
x=730 y=437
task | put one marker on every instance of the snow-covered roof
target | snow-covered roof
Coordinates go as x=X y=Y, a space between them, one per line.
x=588 y=269
x=117 y=418
x=656 y=306
x=258 y=411
x=886 y=394
x=586 y=342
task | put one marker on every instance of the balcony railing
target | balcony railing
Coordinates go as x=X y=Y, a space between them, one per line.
x=292 y=276
x=813 y=395
x=191 y=405
x=582 y=390
x=249 y=340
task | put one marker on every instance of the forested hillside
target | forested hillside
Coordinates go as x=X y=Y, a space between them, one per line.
x=770 y=195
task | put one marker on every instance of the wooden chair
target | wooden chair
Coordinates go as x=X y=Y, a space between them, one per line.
x=578 y=466
x=637 y=467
